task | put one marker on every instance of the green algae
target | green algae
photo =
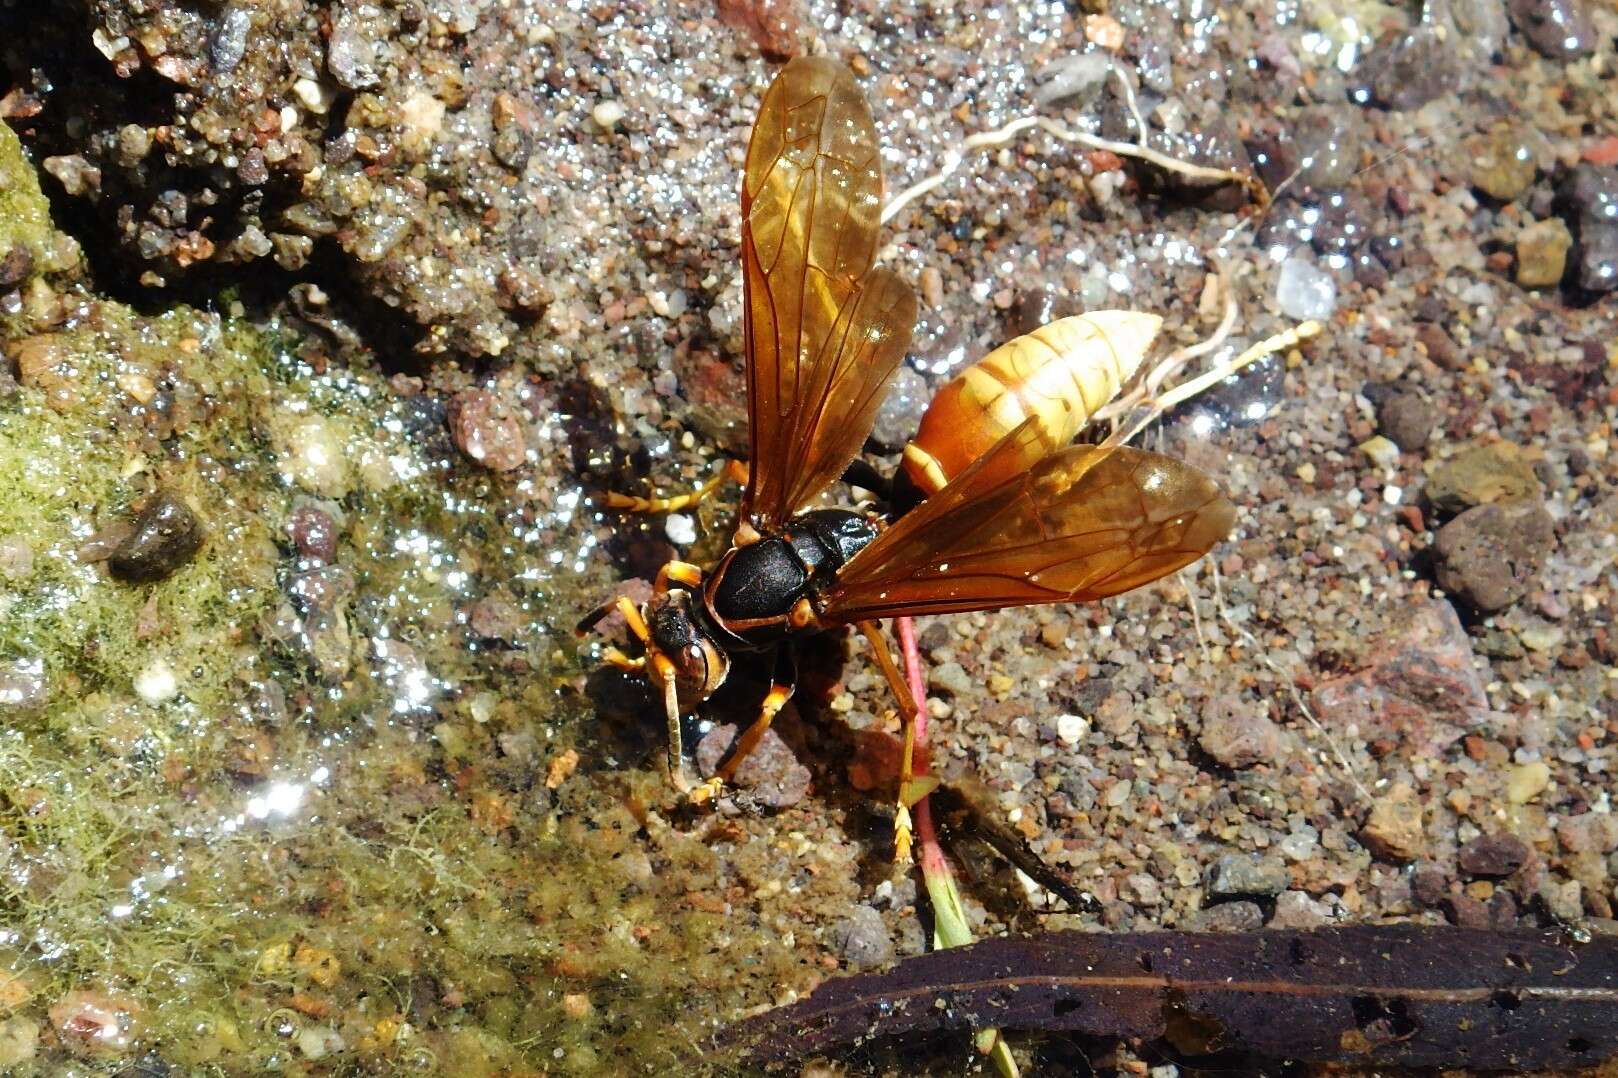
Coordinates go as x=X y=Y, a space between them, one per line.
x=376 y=857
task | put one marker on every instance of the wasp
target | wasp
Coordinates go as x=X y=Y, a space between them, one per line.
x=1012 y=516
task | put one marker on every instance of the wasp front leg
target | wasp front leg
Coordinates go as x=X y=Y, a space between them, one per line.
x=782 y=685
x=631 y=503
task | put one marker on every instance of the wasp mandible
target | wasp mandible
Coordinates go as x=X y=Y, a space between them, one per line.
x=1022 y=518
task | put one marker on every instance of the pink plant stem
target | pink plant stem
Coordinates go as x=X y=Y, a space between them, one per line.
x=932 y=854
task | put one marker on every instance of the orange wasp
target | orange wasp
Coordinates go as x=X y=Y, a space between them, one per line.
x=1021 y=521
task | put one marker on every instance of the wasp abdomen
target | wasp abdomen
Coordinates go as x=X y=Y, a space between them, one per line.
x=1061 y=374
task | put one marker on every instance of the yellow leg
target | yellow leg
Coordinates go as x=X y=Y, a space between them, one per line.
x=614 y=657
x=909 y=790
x=729 y=469
x=781 y=689
x=681 y=572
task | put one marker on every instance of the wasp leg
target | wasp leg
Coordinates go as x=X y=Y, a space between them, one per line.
x=729 y=469
x=782 y=685
x=910 y=790
x=681 y=572
x=614 y=657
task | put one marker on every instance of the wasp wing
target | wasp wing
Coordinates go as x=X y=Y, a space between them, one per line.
x=824 y=330
x=1081 y=524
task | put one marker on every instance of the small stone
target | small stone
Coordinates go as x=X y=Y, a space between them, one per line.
x=1527 y=781
x=862 y=940
x=157 y=684
x=1493 y=855
x=1412 y=71
x=76 y=175
x=1244 y=875
x=1464 y=911
x=1143 y=889
x=771 y=774
x=1480 y=475
x=1238 y=916
x=1300 y=845
x=1559 y=29
x=1503 y=163
x=22 y=684
x=1295 y=910
x=1303 y=291
x=1071 y=729
x=681 y=528
x=1238 y=733
x=314 y=454
x=15 y=267
x=1440 y=346
x=1380 y=451
x=1072 y=80
x=607 y=114
x=95 y=1024
x=1406 y=418
x=950 y=677
x=19 y=1040
x=1542 y=250
x=495 y=617
x=1421 y=686
x=312 y=95
x=351 y=54
x=485 y=430
x=1428 y=885
x=1488 y=556
x=167 y=535
x=1592 y=193
x=314 y=535
x=1394 y=831
x=1328 y=140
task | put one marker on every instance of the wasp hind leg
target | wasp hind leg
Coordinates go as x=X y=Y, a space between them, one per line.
x=782 y=685
x=632 y=503
x=911 y=788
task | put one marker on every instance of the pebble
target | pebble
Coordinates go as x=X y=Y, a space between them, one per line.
x=485 y=430
x=22 y=683
x=1243 y=875
x=314 y=454
x=1593 y=193
x=15 y=267
x=900 y=412
x=1328 y=140
x=1238 y=733
x=351 y=55
x=19 y=1040
x=1303 y=291
x=1072 y=80
x=1381 y=451
x=1527 y=781
x=771 y=774
x=1238 y=916
x=1559 y=29
x=607 y=114
x=681 y=528
x=495 y=617
x=94 y=1024
x=1481 y=475
x=1488 y=555
x=1493 y=855
x=1542 y=253
x=1502 y=162
x=157 y=684
x=1300 y=845
x=1072 y=729
x=166 y=536
x=950 y=677
x=1406 y=418
x=1412 y=71
x=1394 y=831
x=1295 y=909
x=314 y=535
x=1143 y=889
x=862 y=939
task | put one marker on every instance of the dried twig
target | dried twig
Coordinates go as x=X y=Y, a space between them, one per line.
x=1137 y=149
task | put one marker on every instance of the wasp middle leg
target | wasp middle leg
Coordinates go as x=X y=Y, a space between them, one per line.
x=782 y=685
x=728 y=469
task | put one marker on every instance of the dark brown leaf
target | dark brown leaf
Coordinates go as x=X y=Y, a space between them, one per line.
x=1401 y=995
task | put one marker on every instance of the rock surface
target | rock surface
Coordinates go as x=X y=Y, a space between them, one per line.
x=1489 y=555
